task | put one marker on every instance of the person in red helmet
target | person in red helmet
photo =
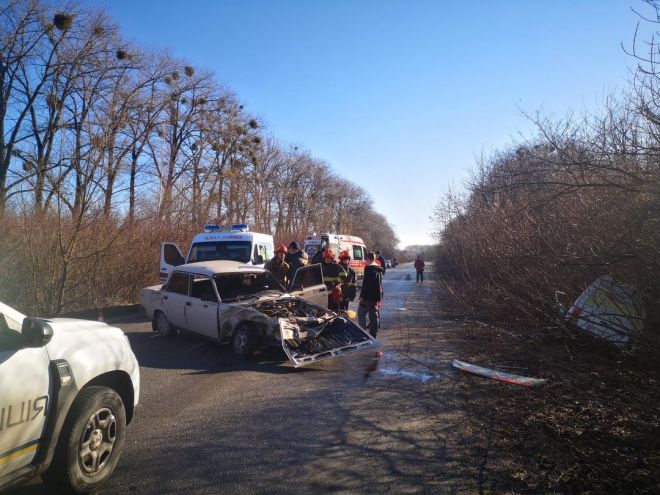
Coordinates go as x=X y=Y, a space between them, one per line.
x=348 y=287
x=278 y=266
x=333 y=277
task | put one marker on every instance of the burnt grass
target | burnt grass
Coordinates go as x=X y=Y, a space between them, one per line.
x=594 y=427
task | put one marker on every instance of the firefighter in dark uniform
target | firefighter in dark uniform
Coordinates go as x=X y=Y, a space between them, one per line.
x=333 y=277
x=349 y=287
x=318 y=256
x=279 y=267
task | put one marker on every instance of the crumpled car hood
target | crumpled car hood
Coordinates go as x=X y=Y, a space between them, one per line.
x=336 y=337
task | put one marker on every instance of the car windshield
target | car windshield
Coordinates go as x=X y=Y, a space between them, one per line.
x=221 y=250
x=236 y=286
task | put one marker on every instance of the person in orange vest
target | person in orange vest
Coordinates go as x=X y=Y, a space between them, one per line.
x=419 y=266
x=333 y=277
x=279 y=267
x=348 y=287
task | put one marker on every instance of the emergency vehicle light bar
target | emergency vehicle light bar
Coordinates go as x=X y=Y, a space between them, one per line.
x=211 y=228
x=240 y=227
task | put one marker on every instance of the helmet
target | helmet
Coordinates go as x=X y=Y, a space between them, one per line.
x=280 y=249
x=328 y=255
x=344 y=255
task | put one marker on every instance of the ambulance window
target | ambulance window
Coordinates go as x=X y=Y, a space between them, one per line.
x=178 y=283
x=221 y=250
x=256 y=254
x=263 y=252
x=357 y=253
x=172 y=255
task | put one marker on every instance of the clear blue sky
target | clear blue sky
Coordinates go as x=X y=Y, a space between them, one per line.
x=398 y=96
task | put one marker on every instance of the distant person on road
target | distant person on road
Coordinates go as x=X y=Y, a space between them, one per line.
x=348 y=287
x=381 y=261
x=370 y=295
x=279 y=267
x=295 y=259
x=333 y=278
x=419 y=267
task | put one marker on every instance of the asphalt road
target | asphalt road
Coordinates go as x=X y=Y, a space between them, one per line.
x=212 y=423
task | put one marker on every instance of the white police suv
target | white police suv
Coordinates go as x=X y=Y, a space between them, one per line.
x=67 y=390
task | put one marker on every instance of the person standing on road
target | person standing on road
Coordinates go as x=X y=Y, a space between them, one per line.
x=370 y=295
x=333 y=278
x=381 y=261
x=419 y=267
x=279 y=267
x=295 y=259
x=349 y=287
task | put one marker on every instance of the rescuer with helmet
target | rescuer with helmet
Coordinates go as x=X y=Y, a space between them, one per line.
x=348 y=287
x=333 y=278
x=278 y=266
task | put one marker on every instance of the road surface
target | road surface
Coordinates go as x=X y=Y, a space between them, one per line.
x=212 y=423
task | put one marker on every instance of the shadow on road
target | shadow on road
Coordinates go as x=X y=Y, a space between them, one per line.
x=185 y=352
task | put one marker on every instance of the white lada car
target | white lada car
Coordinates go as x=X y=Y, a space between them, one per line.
x=244 y=305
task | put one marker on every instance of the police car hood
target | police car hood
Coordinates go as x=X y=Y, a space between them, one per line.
x=71 y=329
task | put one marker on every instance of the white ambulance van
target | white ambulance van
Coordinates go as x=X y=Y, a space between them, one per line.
x=236 y=244
x=338 y=243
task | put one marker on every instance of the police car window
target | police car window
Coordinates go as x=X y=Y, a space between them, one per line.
x=178 y=283
x=357 y=252
x=9 y=339
x=221 y=250
x=202 y=288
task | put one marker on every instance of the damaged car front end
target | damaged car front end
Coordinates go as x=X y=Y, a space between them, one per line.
x=255 y=310
x=309 y=333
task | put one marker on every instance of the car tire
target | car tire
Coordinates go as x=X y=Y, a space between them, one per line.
x=245 y=341
x=90 y=442
x=162 y=325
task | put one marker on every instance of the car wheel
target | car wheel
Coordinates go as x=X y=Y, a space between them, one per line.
x=90 y=443
x=162 y=325
x=245 y=341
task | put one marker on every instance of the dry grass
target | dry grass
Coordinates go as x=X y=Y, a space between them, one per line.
x=593 y=428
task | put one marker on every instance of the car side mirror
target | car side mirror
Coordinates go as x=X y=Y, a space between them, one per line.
x=260 y=260
x=36 y=332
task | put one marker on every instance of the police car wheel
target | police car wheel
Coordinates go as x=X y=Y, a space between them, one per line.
x=245 y=341
x=162 y=325
x=90 y=443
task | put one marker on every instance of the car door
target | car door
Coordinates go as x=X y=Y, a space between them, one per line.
x=175 y=296
x=308 y=284
x=170 y=258
x=202 y=307
x=25 y=387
